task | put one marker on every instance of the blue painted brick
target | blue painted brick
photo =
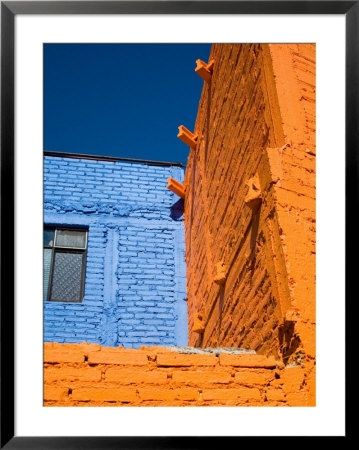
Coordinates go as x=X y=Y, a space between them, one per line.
x=131 y=273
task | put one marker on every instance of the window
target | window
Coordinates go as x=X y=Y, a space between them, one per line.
x=64 y=264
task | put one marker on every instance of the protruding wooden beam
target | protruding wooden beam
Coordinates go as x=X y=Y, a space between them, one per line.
x=221 y=273
x=198 y=324
x=204 y=70
x=210 y=65
x=176 y=187
x=254 y=196
x=187 y=137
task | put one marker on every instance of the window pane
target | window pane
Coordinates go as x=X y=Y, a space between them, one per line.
x=47 y=267
x=49 y=237
x=71 y=238
x=66 y=279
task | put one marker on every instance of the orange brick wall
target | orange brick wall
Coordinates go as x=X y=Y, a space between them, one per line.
x=91 y=375
x=256 y=137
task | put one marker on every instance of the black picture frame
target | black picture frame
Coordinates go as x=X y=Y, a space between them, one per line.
x=9 y=9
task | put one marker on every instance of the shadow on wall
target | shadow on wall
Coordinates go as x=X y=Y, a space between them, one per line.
x=177 y=210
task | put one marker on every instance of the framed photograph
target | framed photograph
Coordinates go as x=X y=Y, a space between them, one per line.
x=170 y=255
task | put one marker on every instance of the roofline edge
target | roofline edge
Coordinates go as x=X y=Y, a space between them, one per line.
x=110 y=158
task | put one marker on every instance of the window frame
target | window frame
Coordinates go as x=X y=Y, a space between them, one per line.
x=71 y=250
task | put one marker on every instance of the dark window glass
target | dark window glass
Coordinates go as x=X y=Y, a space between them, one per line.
x=49 y=237
x=64 y=264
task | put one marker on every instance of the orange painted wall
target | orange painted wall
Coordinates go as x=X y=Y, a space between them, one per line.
x=250 y=204
x=91 y=375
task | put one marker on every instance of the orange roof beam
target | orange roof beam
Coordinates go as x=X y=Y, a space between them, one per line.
x=204 y=70
x=176 y=187
x=254 y=195
x=187 y=137
x=199 y=325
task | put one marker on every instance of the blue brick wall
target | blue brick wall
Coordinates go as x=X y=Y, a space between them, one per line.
x=135 y=285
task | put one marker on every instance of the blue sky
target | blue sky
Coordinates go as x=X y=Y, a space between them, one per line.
x=124 y=100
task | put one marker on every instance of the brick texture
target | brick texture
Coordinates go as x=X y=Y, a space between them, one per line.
x=135 y=286
x=250 y=204
x=125 y=383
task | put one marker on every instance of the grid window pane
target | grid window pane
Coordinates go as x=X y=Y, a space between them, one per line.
x=67 y=275
x=49 y=237
x=47 y=268
x=70 y=238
